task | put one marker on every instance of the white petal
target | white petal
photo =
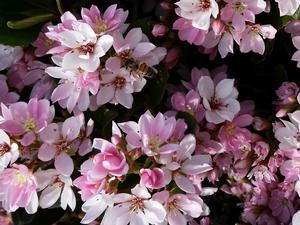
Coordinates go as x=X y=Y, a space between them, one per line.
x=49 y=196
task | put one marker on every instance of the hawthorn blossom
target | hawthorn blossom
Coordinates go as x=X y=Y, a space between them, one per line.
x=287 y=7
x=9 y=56
x=180 y=165
x=9 y=152
x=180 y=207
x=252 y=38
x=81 y=48
x=58 y=140
x=296 y=55
x=220 y=100
x=199 y=12
x=135 y=208
x=117 y=84
x=112 y=19
x=6 y=96
x=151 y=134
x=26 y=120
x=109 y=161
x=240 y=11
x=152 y=178
x=54 y=186
x=74 y=88
x=18 y=189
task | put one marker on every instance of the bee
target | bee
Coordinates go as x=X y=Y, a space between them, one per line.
x=138 y=69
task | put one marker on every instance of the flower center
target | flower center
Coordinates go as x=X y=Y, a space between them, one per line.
x=58 y=182
x=63 y=146
x=21 y=179
x=88 y=48
x=119 y=82
x=215 y=103
x=4 y=148
x=204 y=5
x=254 y=30
x=29 y=125
x=173 y=206
x=239 y=6
x=137 y=204
x=154 y=143
x=48 y=42
x=101 y=26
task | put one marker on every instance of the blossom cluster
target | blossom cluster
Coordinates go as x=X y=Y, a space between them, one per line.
x=76 y=135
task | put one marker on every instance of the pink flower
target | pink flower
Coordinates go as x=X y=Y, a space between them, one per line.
x=9 y=56
x=240 y=11
x=111 y=20
x=159 y=30
x=74 y=88
x=58 y=142
x=152 y=178
x=26 y=119
x=55 y=186
x=186 y=31
x=109 y=162
x=81 y=48
x=135 y=208
x=136 y=46
x=252 y=38
x=43 y=44
x=117 y=84
x=18 y=189
x=180 y=207
x=199 y=12
x=9 y=152
x=172 y=57
x=293 y=27
x=189 y=103
x=220 y=100
x=151 y=134
x=6 y=96
x=296 y=55
x=287 y=7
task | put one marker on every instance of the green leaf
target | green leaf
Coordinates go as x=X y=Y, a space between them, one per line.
x=17 y=37
x=30 y=21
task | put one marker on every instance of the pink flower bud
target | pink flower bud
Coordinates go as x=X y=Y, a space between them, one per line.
x=172 y=57
x=159 y=30
x=152 y=178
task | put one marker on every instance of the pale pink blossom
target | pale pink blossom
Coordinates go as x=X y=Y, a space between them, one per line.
x=18 y=189
x=151 y=134
x=135 y=208
x=159 y=30
x=53 y=187
x=253 y=37
x=152 y=178
x=180 y=207
x=9 y=151
x=74 y=88
x=9 y=56
x=82 y=48
x=240 y=11
x=293 y=27
x=296 y=55
x=220 y=100
x=6 y=96
x=26 y=120
x=287 y=7
x=109 y=162
x=111 y=19
x=58 y=143
x=186 y=31
x=199 y=12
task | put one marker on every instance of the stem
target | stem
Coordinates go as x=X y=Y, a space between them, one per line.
x=59 y=7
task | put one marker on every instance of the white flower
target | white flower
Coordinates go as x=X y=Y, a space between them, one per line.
x=9 y=55
x=199 y=11
x=137 y=209
x=9 y=152
x=84 y=48
x=220 y=101
x=55 y=186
